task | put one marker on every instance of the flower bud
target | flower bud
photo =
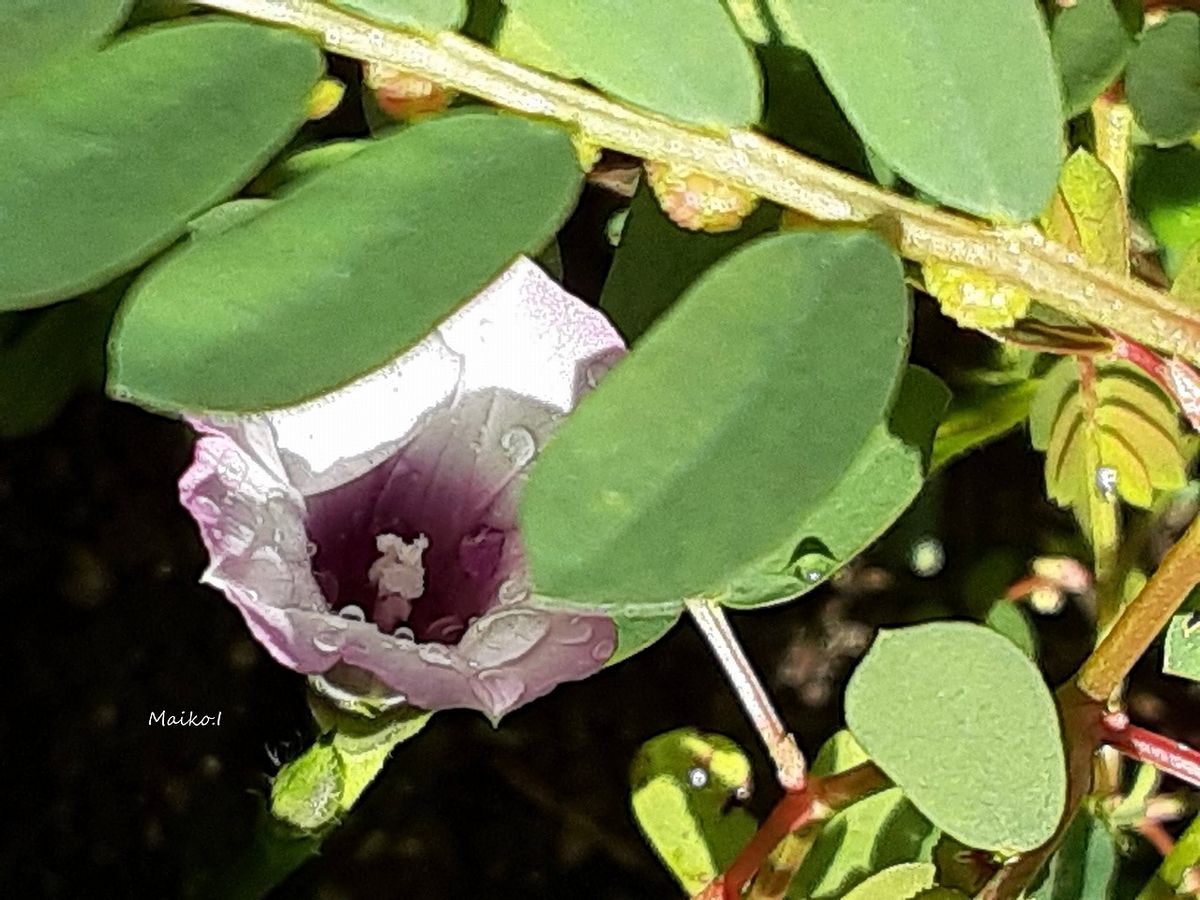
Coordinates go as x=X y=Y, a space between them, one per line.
x=697 y=202
x=974 y=299
x=402 y=95
x=325 y=97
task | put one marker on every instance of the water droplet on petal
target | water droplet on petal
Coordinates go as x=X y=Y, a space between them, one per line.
x=311 y=549
x=404 y=633
x=500 y=691
x=603 y=650
x=326 y=642
x=697 y=777
x=435 y=654
x=578 y=630
x=206 y=506
x=512 y=590
x=518 y=445
x=353 y=613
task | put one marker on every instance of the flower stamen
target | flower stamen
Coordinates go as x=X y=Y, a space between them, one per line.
x=398 y=576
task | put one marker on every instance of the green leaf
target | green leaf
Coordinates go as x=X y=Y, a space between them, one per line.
x=1181 y=652
x=421 y=15
x=636 y=633
x=873 y=834
x=962 y=99
x=802 y=113
x=312 y=791
x=1090 y=44
x=684 y=786
x=657 y=260
x=1129 y=426
x=897 y=883
x=884 y=479
x=961 y=720
x=1088 y=213
x=751 y=19
x=684 y=58
x=1162 y=83
x=46 y=355
x=759 y=387
x=109 y=155
x=376 y=250
x=1009 y=619
x=1084 y=866
x=979 y=416
x=36 y=33
x=307 y=792
x=1166 y=192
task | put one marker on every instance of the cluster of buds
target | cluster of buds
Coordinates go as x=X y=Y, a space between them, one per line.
x=974 y=299
x=696 y=201
x=402 y=95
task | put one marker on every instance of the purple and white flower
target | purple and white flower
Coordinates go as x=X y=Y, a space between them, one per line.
x=371 y=534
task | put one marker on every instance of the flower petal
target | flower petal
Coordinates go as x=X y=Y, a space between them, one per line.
x=474 y=401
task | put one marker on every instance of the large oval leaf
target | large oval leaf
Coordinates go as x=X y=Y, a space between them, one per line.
x=733 y=417
x=353 y=265
x=34 y=33
x=961 y=720
x=962 y=99
x=684 y=58
x=109 y=155
x=1163 y=81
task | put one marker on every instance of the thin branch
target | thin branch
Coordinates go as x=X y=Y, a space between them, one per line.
x=751 y=693
x=1166 y=755
x=1141 y=620
x=819 y=799
x=1018 y=256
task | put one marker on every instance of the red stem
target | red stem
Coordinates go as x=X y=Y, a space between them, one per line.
x=1164 y=754
x=817 y=800
x=1157 y=835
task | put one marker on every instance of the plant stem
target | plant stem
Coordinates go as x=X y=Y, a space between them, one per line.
x=819 y=799
x=1017 y=256
x=752 y=694
x=1140 y=621
x=1166 y=755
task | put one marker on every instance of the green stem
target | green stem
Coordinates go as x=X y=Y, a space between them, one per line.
x=1169 y=877
x=1018 y=256
x=751 y=692
x=1141 y=620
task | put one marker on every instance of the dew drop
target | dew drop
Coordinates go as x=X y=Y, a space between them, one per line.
x=311 y=549
x=518 y=445
x=697 y=777
x=813 y=567
x=1106 y=482
x=325 y=643
x=353 y=613
x=435 y=654
x=512 y=590
x=404 y=633
x=602 y=650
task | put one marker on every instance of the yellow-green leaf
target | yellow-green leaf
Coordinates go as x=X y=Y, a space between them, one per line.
x=1130 y=428
x=1089 y=213
x=685 y=788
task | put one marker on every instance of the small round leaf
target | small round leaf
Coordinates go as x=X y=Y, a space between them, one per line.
x=963 y=722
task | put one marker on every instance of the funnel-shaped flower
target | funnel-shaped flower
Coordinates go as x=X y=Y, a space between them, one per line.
x=373 y=530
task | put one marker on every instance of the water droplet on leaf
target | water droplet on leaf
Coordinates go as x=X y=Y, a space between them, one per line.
x=697 y=777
